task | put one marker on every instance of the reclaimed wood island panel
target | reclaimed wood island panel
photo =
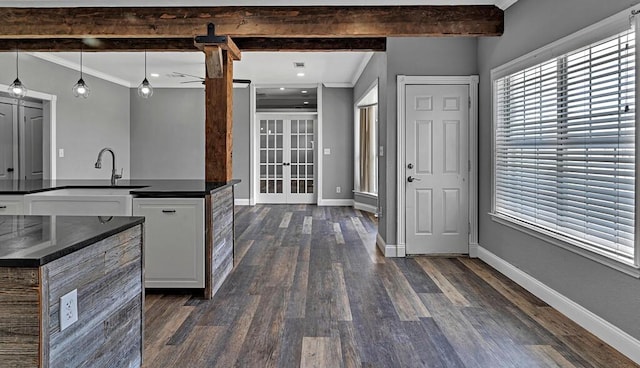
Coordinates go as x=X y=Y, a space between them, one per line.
x=44 y=258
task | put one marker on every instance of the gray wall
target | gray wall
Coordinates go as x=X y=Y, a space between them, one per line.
x=530 y=24
x=241 y=141
x=167 y=134
x=408 y=56
x=337 y=134
x=84 y=126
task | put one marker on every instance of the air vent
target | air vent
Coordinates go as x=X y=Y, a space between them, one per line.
x=298 y=64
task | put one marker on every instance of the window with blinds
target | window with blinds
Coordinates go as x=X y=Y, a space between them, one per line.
x=565 y=147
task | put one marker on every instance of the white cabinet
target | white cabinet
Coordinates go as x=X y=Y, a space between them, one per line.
x=174 y=253
x=12 y=205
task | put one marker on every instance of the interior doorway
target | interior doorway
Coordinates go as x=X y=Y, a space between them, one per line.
x=22 y=132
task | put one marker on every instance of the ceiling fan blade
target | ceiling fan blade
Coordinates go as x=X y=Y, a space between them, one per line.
x=244 y=81
x=187 y=75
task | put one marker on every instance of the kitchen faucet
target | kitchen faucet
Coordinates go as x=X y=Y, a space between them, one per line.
x=114 y=175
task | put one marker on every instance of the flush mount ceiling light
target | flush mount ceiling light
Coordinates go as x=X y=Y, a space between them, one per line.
x=80 y=89
x=300 y=74
x=17 y=89
x=154 y=75
x=304 y=92
x=282 y=88
x=144 y=89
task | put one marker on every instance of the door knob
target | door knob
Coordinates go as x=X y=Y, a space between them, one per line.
x=411 y=179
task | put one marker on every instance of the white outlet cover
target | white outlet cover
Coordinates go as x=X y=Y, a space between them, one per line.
x=61 y=152
x=327 y=151
x=68 y=309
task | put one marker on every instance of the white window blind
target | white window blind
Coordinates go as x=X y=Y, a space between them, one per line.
x=565 y=146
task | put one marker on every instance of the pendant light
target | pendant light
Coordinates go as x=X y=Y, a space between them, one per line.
x=17 y=89
x=144 y=89
x=80 y=89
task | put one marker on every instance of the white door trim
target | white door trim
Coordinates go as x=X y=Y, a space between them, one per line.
x=49 y=141
x=472 y=82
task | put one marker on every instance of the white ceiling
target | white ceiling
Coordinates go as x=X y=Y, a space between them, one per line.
x=503 y=4
x=127 y=68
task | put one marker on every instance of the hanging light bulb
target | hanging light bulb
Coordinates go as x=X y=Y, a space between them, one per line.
x=80 y=89
x=144 y=89
x=17 y=89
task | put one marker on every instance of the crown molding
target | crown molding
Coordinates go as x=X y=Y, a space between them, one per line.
x=71 y=65
x=504 y=4
x=363 y=64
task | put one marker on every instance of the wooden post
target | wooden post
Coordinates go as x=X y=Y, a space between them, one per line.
x=219 y=118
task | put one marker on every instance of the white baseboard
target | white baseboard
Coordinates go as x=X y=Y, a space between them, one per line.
x=242 y=202
x=389 y=250
x=365 y=207
x=595 y=324
x=336 y=202
x=473 y=250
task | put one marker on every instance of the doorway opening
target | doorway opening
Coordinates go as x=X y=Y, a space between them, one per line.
x=365 y=177
x=285 y=127
x=27 y=137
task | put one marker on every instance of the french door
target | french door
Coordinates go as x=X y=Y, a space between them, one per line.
x=286 y=172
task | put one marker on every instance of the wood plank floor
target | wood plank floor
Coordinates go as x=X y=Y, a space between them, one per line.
x=310 y=289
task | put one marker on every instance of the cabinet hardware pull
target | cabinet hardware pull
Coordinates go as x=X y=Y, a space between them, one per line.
x=168 y=211
x=3 y=207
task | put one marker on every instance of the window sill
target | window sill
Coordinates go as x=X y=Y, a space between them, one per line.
x=563 y=243
x=366 y=194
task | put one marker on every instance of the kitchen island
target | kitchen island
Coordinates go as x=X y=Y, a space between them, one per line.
x=189 y=231
x=95 y=263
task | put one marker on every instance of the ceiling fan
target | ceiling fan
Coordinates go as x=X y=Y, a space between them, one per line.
x=201 y=79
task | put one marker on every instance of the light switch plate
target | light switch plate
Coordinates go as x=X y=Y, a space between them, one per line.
x=381 y=151
x=68 y=309
x=61 y=152
x=327 y=151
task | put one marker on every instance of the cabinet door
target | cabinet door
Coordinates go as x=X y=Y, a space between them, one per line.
x=173 y=241
x=12 y=205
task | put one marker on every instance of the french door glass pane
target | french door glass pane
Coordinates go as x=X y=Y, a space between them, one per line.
x=271 y=155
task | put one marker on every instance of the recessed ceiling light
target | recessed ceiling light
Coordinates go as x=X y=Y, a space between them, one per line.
x=155 y=75
x=305 y=91
x=282 y=88
x=306 y=102
x=300 y=74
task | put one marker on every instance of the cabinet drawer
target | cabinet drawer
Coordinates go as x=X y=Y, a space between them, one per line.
x=173 y=242
x=11 y=205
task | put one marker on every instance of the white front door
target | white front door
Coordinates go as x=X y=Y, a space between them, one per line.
x=437 y=156
x=7 y=129
x=286 y=172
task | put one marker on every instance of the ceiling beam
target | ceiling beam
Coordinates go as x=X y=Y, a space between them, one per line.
x=186 y=44
x=244 y=21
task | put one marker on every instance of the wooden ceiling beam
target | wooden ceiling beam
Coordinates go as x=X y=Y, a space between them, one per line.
x=186 y=44
x=243 y=21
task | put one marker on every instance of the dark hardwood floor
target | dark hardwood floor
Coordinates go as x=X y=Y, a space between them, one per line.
x=311 y=289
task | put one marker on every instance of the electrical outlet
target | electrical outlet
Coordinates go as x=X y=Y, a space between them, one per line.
x=338 y=190
x=68 y=309
x=61 y=152
x=327 y=151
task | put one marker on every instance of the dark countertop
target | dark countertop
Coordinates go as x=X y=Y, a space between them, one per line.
x=139 y=187
x=33 y=241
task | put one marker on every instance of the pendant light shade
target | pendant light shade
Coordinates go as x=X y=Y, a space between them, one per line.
x=17 y=89
x=144 y=89
x=80 y=89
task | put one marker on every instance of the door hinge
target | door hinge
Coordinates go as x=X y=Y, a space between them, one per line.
x=469 y=228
